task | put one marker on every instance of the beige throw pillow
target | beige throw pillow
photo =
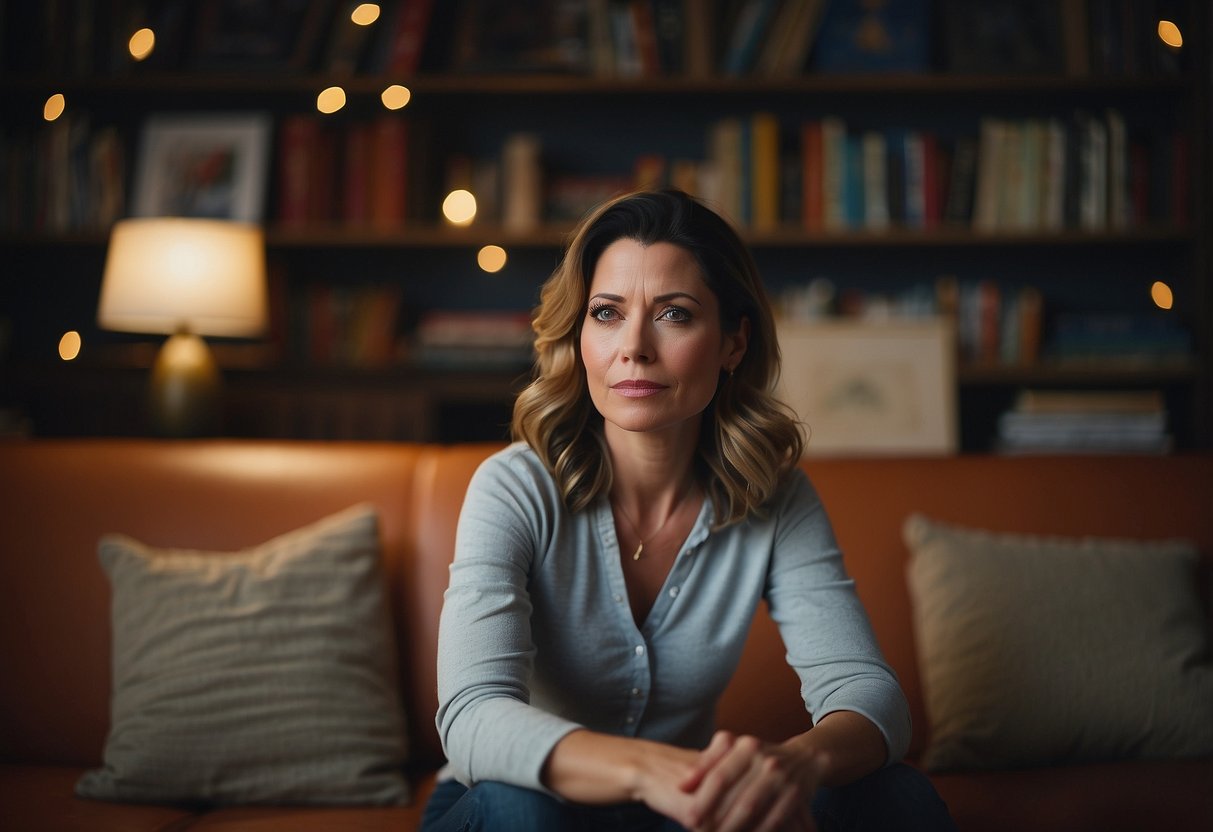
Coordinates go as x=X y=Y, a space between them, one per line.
x=261 y=676
x=1038 y=650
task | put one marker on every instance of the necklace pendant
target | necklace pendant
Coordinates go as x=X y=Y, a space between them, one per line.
x=639 y=549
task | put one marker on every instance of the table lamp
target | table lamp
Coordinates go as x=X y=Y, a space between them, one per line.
x=185 y=278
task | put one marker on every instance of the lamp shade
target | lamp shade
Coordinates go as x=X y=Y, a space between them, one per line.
x=168 y=274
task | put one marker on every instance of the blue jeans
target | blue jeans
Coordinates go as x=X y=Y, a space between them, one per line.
x=890 y=800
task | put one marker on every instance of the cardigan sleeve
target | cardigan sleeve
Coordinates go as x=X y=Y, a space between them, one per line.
x=489 y=729
x=829 y=640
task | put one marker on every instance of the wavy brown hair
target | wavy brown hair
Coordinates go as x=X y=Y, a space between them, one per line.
x=749 y=440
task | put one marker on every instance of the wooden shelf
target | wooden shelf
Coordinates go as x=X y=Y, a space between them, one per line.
x=876 y=84
x=335 y=235
x=1111 y=372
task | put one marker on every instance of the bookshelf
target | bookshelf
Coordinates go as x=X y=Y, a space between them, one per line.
x=594 y=125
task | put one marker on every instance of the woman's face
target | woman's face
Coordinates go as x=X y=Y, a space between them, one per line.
x=651 y=341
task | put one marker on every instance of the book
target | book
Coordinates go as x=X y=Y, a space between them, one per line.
x=812 y=176
x=504 y=36
x=521 y=182
x=958 y=202
x=669 y=25
x=1053 y=176
x=1118 y=169
x=914 y=178
x=389 y=154
x=793 y=34
x=698 y=18
x=1002 y=37
x=874 y=148
x=991 y=150
x=834 y=163
x=348 y=41
x=298 y=141
x=764 y=171
x=749 y=31
x=1035 y=400
x=407 y=38
x=1075 y=38
x=1082 y=421
x=725 y=148
x=356 y=175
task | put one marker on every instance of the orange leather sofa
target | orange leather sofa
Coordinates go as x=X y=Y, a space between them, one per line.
x=58 y=497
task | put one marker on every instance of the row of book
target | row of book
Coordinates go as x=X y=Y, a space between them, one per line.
x=83 y=38
x=338 y=324
x=1088 y=172
x=784 y=38
x=606 y=38
x=995 y=325
x=357 y=173
x=325 y=323
x=1085 y=421
x=999 y=324
x=69 y=175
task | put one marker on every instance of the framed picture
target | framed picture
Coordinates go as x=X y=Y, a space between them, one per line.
x=203 y=166
x=872 y=388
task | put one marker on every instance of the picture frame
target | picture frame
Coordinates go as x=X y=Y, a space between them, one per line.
x=866 y=388
x=213 y=166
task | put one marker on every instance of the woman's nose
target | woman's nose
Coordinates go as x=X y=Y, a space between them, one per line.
x=637 y=341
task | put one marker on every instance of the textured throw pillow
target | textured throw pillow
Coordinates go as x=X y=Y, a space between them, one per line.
x=1037 y=650
x=261 y=676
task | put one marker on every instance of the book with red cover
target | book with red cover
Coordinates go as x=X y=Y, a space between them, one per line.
x=811 y=188
x=298 y=137
x=408 y=37
x=356 y=175
x=389 y=171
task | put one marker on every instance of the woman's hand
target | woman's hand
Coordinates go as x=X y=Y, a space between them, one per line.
x=741 y=783
x=597 y=769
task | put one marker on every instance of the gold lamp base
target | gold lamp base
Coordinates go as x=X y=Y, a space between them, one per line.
x=185 y=387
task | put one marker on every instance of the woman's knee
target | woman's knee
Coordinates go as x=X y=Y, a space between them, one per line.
x=505 y=808
x=897 y=797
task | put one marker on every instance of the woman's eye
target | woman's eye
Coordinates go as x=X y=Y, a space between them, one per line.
x=676 y=314
x=603 y=313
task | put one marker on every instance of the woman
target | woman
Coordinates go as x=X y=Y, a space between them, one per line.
x=609 y=562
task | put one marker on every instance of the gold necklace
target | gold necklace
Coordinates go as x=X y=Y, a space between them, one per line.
x=659 y=529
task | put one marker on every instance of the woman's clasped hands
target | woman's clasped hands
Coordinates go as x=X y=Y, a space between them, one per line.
x=740 y=783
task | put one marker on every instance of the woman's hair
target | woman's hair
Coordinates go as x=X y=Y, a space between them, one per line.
x=748 y=441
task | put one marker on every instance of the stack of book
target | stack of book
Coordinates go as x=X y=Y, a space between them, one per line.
x=454 y=339
x=1062 y=421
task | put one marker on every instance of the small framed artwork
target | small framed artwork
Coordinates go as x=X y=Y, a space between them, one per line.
x=872 y=388
x=212 y=166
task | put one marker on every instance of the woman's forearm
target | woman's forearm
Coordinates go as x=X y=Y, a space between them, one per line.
x=593 y=768
x=850 y=745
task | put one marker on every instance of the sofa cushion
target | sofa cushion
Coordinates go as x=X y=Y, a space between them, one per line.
x=1037 y=650
x=261 y=676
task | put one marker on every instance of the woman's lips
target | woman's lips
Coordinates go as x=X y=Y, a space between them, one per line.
x=637 y=388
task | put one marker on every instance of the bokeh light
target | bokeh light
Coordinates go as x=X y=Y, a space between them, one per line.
x=330 y=100
x=141 y=44
x=491 y=258
x=459 y=207
x=54 y=107
x=395 y=97
x=1162 y=295
x=69 y=345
